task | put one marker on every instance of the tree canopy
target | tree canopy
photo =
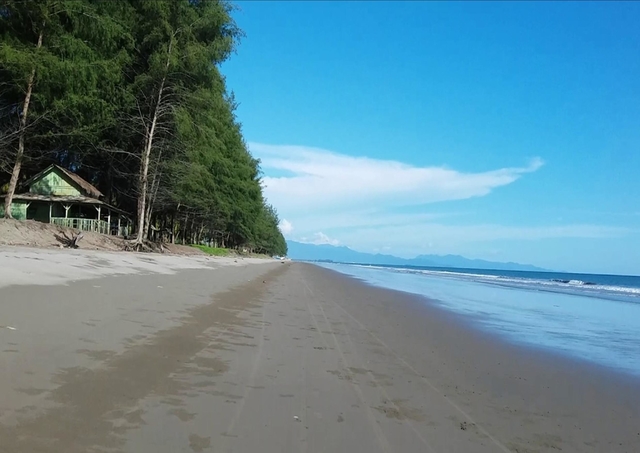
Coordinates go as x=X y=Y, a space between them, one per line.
x=129 y=95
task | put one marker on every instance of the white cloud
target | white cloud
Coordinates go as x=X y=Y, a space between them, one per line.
x=437 y=232
x=286 y=227
x=323 y=180
x=319 y=238
x=309 y=220
x=417 y=238
x=365 y=203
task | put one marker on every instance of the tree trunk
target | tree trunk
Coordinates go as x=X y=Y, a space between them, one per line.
x=15 y=174
x=155 y=183
x=199 y=234
x=184 y=228
x=173 y=228
x=146 y=154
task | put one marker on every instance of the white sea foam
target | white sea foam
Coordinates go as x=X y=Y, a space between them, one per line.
x=575 y=286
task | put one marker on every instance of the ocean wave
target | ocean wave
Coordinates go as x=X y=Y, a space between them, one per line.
x=572 y=282
x=574 y=286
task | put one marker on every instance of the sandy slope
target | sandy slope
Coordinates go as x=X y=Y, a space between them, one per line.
x=37 y=234
x=33 y=266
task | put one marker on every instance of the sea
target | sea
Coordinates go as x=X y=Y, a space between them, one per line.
x=590 y=317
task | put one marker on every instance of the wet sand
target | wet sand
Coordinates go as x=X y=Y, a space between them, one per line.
x=284 y=358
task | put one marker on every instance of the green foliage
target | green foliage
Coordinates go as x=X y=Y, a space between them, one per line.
x=98 y=75
x=214 y=251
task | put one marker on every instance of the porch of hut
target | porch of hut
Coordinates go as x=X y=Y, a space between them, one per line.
x=59 y=196
x=78 y=213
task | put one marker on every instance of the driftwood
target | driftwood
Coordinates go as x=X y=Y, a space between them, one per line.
x=70 y=242
x=76 y=239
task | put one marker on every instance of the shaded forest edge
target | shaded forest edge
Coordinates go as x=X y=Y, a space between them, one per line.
x=128 y=94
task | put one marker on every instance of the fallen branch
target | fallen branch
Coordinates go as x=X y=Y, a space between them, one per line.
x=76 y=239
x=70 y=242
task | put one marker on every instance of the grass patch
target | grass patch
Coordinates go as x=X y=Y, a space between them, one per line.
x=214 y=251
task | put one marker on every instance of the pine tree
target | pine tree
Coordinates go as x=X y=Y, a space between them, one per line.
x=55 y=67
x=128 y=93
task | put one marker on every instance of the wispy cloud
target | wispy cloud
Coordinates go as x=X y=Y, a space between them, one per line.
x=331 y=198
x=416 y=238
x=437 y=232
x=317 y=179
x=310 y=220
x=319 y=238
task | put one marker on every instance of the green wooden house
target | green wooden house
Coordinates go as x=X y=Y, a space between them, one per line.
x=59 y=196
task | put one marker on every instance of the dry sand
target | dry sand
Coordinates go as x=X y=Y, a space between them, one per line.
x=35 y=266
x=283 y=358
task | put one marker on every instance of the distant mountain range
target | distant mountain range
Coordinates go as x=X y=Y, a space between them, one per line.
x=325 y=252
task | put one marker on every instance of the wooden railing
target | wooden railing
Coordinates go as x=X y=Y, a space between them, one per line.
x=97 y=226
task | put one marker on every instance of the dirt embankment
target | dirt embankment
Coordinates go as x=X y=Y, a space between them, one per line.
x=37 y=234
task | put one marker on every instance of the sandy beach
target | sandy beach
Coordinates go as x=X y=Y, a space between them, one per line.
x=145 y=353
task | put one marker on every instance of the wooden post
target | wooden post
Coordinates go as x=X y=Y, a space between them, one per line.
x=108 y=221
x=50 y=210
x=66 y=210
x=26 y=210
x=97 y=224
x=119 y=232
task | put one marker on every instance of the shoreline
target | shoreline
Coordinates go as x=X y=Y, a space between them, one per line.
x=477 y=329
x=477 y=357
x=593 y=331
x=480 y=325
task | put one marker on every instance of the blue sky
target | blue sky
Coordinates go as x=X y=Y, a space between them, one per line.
x=502 y=131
